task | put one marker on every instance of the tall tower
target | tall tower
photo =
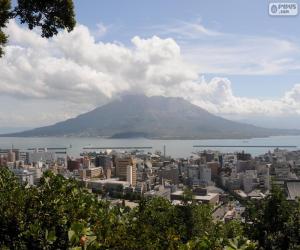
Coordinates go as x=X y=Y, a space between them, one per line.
x=131 y=175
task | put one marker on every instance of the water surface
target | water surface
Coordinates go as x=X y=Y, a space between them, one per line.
x=175 y=148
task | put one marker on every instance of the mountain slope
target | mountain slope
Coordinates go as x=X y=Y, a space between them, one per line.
x=152 y=117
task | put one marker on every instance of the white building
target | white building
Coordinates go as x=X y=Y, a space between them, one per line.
x=43 y=156
x=129 y=177
x=249 y=180
x=24 y=176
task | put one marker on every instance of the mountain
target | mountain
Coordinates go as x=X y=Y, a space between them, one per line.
x=152 y=117
x=7 y=130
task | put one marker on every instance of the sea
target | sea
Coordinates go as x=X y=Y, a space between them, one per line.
x=175 y=148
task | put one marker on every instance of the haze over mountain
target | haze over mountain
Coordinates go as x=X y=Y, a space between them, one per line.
x=152 y=117
x=6 y=130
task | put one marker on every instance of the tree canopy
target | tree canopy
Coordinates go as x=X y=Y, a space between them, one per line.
x=274 y=222
x=50 y=16
x=59 y=214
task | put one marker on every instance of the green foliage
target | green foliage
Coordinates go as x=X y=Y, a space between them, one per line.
x=59 y=214
x=187 y=195
x=4 y=17
x=81 y=234
x=40 y=217
x=240 y=243
x=274 y=222
x=50 y=16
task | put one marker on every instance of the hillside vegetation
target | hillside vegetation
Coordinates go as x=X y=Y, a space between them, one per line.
x=59 y=214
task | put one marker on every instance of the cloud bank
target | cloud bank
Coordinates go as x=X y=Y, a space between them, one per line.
x=74 y=69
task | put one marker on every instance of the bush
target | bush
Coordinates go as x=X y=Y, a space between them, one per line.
x=59 y=214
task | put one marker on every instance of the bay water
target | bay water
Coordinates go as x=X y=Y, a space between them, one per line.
x=174 y=148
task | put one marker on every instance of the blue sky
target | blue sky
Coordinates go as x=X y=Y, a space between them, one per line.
x=126 y=19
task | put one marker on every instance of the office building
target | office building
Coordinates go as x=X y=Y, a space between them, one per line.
x=121 y=166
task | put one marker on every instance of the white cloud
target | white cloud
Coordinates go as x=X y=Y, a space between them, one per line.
x=101 y=30
x=186 y=30
x=245 y=55
x=224 y=53
x=73 y=73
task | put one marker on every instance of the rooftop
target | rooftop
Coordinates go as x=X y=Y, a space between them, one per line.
x=108 y=181
x=293 y=189
x=207 y=197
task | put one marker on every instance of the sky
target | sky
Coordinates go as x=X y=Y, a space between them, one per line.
x=229 y=57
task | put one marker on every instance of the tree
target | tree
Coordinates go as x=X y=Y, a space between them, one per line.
x=50 y=16
x=42 y=217
x=4 y=17
x=274 y=221
x=60 y=214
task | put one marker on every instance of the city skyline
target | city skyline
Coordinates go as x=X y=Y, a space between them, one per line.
x=149 y=124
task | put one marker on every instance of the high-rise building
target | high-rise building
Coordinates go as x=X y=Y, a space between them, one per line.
x=131 y=175
x=215 y=168
x=104 y=161
x=193 y=174
x=205 y=174
x=11 y=156
x=121 y=166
